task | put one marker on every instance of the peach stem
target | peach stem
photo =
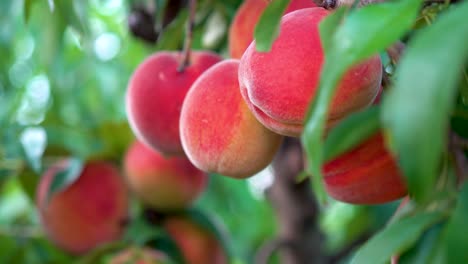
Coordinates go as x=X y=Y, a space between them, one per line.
x=188 y=36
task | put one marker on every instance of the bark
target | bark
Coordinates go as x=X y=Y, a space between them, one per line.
x=299 y=239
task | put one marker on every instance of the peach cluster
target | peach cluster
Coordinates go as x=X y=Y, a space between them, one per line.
x=229 y=117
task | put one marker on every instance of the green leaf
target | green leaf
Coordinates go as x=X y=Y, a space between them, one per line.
x=208 y=223
x=140 y=232
x=65 y=177
x=27 y=9
x=355 y=39
x=328 y=27
x=351 y=132
x=29 y=181
x=416 y=111
x=268 y=26
x=395 y=238
x=426 y=249
x=456 y=247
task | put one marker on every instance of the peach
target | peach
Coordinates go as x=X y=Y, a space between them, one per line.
x=196 y=244
x=164 y=183
x=218 y=131
x=279 y=85
x=91 y=211
x=367 y=174
x=155 y=94
x=135 y=255
x=241 y=31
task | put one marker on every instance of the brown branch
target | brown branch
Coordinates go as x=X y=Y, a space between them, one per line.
x=188 y=36
x=296 y=208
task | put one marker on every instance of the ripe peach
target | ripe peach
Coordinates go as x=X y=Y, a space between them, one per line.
x=89 y=212
x=367 y=174
x=279 y=85
x=196 y=244
x=218 y=131
x=155 y=94
x=242 y=28
x=134 y=255
x=164 y=183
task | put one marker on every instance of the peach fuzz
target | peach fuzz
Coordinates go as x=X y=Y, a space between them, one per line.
x=155 y=94
x=91 y=211
x=135 y=255
x=367 y=174
x=196 y=244
x=163 y=183
x=279 y=85
x=218 y=131
x=241 y=31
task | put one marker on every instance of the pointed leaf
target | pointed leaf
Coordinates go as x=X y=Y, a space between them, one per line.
x=267 y=28
x=65 y=177
x=416 y=111
x=395 y=238
x=351 y=132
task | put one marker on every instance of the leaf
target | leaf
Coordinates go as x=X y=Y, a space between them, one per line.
x=426 y=249
x=395 y=238
x=27 y=9
x=29 y=181
x=34 y=141
x=416 y=111
x=456 y=247
x=355 y=39
x=351 y=132
x=212 y=226
x=140 y=232
x=65 y=177
x=268 y=26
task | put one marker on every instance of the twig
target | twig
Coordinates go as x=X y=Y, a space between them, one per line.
x=188 y=36
x=296 y=208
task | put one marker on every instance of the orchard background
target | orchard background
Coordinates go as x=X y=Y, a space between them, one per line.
x=64 y=71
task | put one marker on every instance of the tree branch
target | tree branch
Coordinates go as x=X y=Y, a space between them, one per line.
x=296 y=208
x=188 y=36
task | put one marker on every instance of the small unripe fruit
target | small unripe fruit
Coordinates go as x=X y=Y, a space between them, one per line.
x=91 y=211
x=163 y=183
x=155 y=94
x=218 y=131
x=196 y=244
x=280 y=84
x=367 y=174
x=241 y=31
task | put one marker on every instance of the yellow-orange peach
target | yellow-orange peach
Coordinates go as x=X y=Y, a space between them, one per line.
x=367 y=174
x=155 y=94
x=135 y=255
x=243 y=24
x=218 y=131
x=196 y=244
x=279 y=85
x=163 y=183
x=89 y=212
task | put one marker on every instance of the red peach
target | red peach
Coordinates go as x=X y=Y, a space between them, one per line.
x=196 y=244
x=155 y=94
x=164 y=183
x=241 y=31
x=367 y=174
x=218 y=131
x=91 y=211
x=134 y=255
x=279 y=85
